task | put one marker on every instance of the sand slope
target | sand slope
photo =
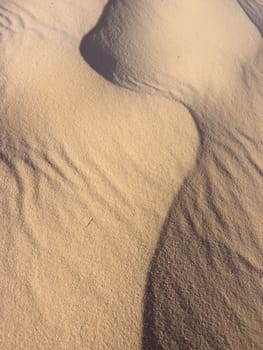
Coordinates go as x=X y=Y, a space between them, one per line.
x=90 y=171
x=254 y=10
x=205 y=282
x=83 y=199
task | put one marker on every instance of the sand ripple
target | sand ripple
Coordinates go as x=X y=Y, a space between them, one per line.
x=204 y=288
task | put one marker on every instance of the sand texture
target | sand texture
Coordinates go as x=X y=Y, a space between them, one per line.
x=131 y=175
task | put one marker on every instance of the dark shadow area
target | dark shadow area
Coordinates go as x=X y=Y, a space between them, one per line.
x=172 y=339
x=150 y=338
x=201 y=293
x=92 y=50
x=103 y=63
x=254 y=11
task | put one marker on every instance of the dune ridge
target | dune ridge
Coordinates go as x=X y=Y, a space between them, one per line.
x=131 y=217
x=204 y=288
x=82 y=172
x=254 y=10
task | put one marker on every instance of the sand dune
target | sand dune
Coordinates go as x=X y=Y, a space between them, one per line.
x=205 y=282
x=254 y=10
x=131 y=174
x=83 y=193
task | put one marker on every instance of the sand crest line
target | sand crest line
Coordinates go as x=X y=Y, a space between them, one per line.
x=131 y=175
x=199 y=239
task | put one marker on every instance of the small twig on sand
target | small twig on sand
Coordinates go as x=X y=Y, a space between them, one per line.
x=89 y=223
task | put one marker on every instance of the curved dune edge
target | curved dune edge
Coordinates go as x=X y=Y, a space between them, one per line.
x=89 y=171
x=205 y=281
x=254 y=10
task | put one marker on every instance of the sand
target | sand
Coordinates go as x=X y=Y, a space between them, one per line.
x=131 y=174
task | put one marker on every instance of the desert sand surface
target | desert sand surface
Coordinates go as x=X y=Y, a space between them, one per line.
x=131 y=174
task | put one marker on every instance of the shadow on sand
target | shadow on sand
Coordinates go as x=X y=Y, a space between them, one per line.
x=93 y=52
x=202 y=291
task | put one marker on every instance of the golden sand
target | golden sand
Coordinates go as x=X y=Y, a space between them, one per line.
x=131 y=165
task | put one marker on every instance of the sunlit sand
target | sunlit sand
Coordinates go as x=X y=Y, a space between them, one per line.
x=131 y=174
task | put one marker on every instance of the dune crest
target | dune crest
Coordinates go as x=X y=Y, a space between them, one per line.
x=127 y=45
x=254 y=10
x=204 y=287
x=82 y=169
x=131 y=220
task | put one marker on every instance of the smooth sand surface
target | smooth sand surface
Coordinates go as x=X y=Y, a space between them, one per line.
x=131 y=165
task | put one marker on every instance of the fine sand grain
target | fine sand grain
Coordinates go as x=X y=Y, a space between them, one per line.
x=131 y=166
